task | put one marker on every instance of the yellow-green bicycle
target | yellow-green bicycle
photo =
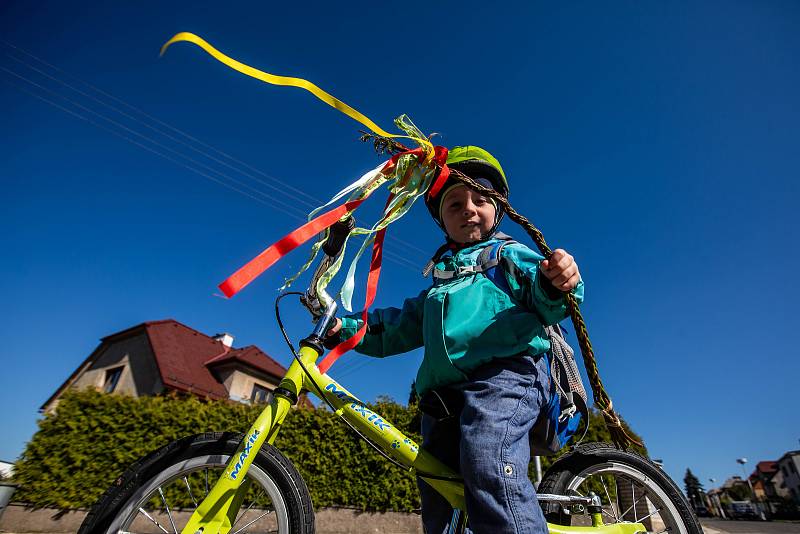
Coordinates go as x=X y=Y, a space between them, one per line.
x=236 y=484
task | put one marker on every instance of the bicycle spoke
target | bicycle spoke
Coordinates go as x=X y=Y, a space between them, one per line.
x=609 y=515
x=648 y=516
x=169 y=513
x=156 y=523
x=243 y=514
x=635 y=502
x=611 y=504
x=189 y=489
x=253 y=521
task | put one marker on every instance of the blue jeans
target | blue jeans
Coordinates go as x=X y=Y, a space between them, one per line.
x=488 y=443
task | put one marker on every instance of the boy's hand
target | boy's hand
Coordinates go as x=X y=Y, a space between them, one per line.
x=561 y=270
x=332 y=336
x=335 y=328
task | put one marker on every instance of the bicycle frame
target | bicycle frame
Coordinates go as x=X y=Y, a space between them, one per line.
x=217 y=512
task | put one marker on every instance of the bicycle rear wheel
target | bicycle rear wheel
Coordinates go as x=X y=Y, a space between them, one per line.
x=158 y=494
x=631 y=488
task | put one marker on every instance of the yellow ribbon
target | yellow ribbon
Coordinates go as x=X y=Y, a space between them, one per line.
x=293 y=82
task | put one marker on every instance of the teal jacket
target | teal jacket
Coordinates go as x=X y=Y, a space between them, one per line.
x=467 y=321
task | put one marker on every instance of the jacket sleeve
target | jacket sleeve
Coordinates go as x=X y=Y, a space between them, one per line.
x=389 y=330
x=531 y=288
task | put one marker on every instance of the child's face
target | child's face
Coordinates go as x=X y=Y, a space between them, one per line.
x=467 y=215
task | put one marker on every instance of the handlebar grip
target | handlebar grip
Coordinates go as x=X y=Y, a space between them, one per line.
x=338 y=233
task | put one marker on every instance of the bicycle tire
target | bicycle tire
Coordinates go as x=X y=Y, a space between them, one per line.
x=659 y=497
x=275 y=483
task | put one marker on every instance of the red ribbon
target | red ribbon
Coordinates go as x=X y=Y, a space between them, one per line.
x=288 y=243
x=440 y=157
x=372 y=290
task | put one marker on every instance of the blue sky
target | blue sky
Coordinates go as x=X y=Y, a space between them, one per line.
x=657 y=142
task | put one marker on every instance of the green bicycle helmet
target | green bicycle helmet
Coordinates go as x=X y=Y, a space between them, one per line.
x=478 y=164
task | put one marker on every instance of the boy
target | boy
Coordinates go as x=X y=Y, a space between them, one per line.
x=483 y=368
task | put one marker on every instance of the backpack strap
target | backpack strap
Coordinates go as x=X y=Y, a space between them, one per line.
x=490 y=259
x=487 y=260
x=436 y=257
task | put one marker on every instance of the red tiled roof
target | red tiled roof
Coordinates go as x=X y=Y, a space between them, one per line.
x=183 y=356
x=767 y=467
x=252 y=356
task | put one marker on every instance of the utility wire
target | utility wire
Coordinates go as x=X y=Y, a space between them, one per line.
x=162 y=123
x=168 y=136
x=126 y=138
x=155 y=142
x=282 y=206
x=186 y=135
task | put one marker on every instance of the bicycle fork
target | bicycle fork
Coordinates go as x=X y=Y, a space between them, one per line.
x=217 y=512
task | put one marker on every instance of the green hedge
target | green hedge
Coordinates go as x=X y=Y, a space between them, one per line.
x=93 y=437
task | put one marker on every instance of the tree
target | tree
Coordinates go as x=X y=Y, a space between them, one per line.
x=412 y=396
x=694 y=489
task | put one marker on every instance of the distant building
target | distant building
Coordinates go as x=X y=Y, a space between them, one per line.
x=736 y=488
x=6 y=469
x=160 y=356
x=761 y=479
x=789 y=467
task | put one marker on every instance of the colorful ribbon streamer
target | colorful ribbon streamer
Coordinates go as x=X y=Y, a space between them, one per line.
x=408 y=175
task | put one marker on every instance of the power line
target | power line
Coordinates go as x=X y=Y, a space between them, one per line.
x=168 y=136
x=154 y=142
x=390 y=255
x=126 y=138
x=137 y=110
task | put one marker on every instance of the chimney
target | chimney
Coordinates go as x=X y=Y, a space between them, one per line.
x=225 y=338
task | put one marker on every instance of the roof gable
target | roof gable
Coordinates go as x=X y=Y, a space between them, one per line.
x=250 y=356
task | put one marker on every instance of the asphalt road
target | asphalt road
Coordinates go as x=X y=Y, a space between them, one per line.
x=750 y=527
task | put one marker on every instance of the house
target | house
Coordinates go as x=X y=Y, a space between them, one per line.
x=761 y=479
x=6 y=469
x=789 y=467
x=736 y=488
x=161 y=356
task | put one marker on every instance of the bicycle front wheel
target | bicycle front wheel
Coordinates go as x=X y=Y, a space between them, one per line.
x=631 y=488
x=158 y=494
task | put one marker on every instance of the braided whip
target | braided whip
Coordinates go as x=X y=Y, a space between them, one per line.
x=619 y=436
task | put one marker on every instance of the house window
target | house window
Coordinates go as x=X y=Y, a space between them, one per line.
x=112 y=378
x=260 y=394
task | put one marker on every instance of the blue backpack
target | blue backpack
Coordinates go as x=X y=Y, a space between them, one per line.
x=568 y=401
